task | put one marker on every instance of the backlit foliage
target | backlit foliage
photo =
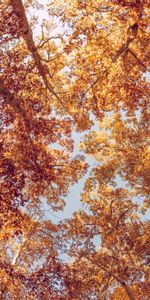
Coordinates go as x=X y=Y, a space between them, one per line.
x=84 y=64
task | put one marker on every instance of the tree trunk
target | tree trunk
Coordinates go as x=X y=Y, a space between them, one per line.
x=128 y=291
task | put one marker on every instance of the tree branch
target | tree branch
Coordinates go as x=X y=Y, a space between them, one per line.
x=139 y=61
x=19 y=10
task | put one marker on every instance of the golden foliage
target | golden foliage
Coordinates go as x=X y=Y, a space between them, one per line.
x=85 y=64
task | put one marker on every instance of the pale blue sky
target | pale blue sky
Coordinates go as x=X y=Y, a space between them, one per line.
x=73 y=199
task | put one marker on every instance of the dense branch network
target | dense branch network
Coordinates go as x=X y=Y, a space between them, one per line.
x=93 y=73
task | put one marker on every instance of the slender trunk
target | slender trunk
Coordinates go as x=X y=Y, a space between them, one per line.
x=128 y=290
x=19 y=10
x=122 y=283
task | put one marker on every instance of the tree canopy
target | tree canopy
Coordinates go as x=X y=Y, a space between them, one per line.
x=83 y=63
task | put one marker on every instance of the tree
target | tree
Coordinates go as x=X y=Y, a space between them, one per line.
x=121 y=256
x=109 y=66
x=109 y=47
x=31 y=170
x=51 y=85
